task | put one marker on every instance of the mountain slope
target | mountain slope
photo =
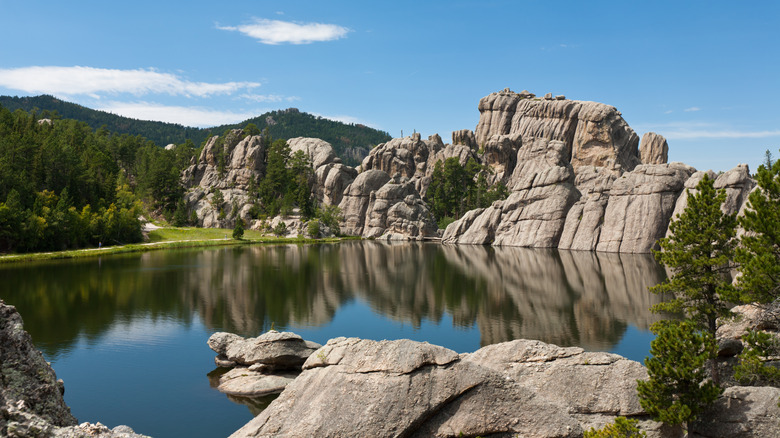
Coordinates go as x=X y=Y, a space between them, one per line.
x=351 y=142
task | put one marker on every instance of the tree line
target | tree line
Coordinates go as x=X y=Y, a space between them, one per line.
x=64 y=185
x=350 y=141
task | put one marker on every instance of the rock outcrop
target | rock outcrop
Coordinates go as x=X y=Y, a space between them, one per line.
x=585 y=219
x=525 y=388
x=375 y=205
x=260 y=366
x=640 y=206
x=653 y=149
x=593 y=133
x=31 y=403
x=227 y=164
x=542 y=192
x=273 y=350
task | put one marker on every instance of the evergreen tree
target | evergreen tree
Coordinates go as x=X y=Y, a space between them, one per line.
x=238 y=230
x=677 y=388
x=698 y=251
x=758 y=255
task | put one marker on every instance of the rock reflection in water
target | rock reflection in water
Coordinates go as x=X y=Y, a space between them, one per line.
x=562 y=297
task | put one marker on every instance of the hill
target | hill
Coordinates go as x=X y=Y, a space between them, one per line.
x=351 y=142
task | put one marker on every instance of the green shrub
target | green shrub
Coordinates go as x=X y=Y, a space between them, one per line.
x=280 y=229
x=621 y=428
x=314 y=228
x=752 y=368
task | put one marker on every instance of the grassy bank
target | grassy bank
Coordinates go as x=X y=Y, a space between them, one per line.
x=169 y=238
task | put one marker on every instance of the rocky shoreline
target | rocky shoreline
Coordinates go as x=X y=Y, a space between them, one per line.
x=528 y=388
x=31 y=402
x=362 y=387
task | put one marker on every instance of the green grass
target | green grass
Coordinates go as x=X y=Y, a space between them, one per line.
x=169 y=238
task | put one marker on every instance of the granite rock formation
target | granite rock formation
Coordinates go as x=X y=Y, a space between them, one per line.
x=542 y=192
x=31 y=402
x=593 y=133
x=375 y=205
x=653 y=149
x=640 y=206
x=229 y=165
x=522 y=387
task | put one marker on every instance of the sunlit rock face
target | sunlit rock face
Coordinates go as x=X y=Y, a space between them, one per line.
x=593 y=133
x=542 y=192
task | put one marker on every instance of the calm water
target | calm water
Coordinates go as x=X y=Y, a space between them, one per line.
x=128 y=333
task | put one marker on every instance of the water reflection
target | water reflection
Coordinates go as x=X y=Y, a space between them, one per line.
x=563 y=297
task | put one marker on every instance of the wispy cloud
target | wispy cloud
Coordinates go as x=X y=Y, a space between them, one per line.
x=692 y=109
x=91 y=81
x=288 y=32
x=704 y=130
x=269 y=98
x=187 y=116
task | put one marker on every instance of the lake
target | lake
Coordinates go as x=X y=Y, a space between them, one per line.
x=128 y=333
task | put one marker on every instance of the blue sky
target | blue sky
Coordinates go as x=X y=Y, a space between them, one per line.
x=705 y=74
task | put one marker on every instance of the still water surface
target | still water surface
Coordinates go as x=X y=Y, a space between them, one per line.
x=128 y=333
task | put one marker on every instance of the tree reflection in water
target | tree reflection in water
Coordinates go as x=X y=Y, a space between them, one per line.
x=563 y=297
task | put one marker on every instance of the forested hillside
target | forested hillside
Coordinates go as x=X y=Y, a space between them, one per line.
x=64 y=185
x=351 y=142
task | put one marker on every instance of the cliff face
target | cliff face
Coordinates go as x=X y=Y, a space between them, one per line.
x=593 y=133
x=577 y=180
x=576 y=176
x=234 y=163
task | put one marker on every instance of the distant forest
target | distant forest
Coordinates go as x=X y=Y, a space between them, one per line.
x=351 y=142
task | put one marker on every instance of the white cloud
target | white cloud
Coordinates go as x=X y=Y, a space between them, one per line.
x=702 y=134
x=269 y=98
x=187 y=116
x=91 y=81
x=280 y=32
x=692 y=109
x=703 y=130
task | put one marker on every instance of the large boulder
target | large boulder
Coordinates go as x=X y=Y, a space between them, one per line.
x=653 y=149
x=404 y=388
x=319 y=152
x=593 y=133
x=741 y=412
x=640 y=206
x=27 y=379
x=277 y=350
x=408 y=388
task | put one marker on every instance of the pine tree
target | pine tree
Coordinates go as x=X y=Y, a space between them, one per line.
x=698 y=251
x=758 y=255
x=677 y=388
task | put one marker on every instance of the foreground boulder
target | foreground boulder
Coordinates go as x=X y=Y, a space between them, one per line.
x=355 y=387
x=406 y=388
x=31 y=403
